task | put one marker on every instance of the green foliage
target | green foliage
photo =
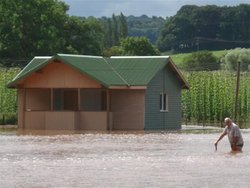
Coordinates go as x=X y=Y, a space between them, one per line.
x=115 y=29
x=113 y=51
x=123 y=26
x=138 y=46
x=83 y=36
x=29 y=28
x=211 y=97
x=7 y=96
x=202 y=60
x=144 y=26
x=179 y=57
x=107 y=27
x=241 y=55
x=8 y=119
x=134 y=46
x=206 y=28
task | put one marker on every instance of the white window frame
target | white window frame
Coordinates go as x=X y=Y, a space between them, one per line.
x=163 y=102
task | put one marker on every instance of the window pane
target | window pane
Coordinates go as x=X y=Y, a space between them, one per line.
x=57 y=99
x=38 y=99
x=65 y=99
x=70 y=100
x=93 y=100
x=165 y=102
x=161 y=102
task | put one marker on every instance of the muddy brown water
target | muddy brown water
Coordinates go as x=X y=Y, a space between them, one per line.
x=183 y=158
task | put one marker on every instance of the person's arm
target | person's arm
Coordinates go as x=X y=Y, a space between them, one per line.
x=221 y=136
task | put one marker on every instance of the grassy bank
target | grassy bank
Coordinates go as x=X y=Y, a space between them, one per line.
x=178 y=58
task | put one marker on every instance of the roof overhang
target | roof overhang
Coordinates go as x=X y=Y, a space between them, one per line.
x=122 y=84
x=129 y=87
x=131 y=57
x=178 y=74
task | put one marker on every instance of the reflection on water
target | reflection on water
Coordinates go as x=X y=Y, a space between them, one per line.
x=122 y=159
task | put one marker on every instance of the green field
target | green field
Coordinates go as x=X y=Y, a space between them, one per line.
x=8 y=99
x=178 y=58
x=211 y=98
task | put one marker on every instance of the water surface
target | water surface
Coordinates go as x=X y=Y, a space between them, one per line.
x=122 y=159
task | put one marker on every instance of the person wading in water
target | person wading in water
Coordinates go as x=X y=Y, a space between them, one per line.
x=234 y=135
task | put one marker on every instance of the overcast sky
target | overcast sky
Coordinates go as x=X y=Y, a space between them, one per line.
x=164 y=8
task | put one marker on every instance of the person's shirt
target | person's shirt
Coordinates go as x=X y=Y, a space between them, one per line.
x=234 y=131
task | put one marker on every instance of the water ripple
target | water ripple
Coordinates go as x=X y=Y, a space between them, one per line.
x=156 y=159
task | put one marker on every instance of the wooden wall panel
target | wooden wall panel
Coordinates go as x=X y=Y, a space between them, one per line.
x=59 y=75
x=128 y=109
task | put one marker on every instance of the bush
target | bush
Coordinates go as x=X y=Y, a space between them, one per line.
x=201 y=61
x=231 y=59
x=8 y=119
x=113 y=51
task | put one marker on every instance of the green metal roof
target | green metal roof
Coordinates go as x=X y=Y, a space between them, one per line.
x=35 y=64
x=95 y=67
x=114 y=71
x=138 y=70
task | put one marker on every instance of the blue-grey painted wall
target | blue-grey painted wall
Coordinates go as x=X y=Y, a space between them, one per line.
x=164 y=81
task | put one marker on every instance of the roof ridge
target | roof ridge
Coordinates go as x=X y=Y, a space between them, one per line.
x=131 y=57
x=75 y=55
x=41 y=57
x=116 y=72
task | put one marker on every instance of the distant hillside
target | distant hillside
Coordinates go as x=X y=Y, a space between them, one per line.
x=137 y=26
x=145 y=26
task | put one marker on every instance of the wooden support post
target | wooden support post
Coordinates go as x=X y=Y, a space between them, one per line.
x=237 y=92
x=24 y=108
x=109 y=127
x=51 y=99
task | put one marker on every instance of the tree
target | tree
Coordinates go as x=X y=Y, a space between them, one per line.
x=107 y=24
x=138 y=46
x=115 y=29
x=83 y=36
x=115 y=33
x=176 y=34
x=31 y=27
x=123 y=26
x=144 y=26
x=206 y=28
x=41 y=27
x=202 y=60
x=206 y=21
x=231 y=59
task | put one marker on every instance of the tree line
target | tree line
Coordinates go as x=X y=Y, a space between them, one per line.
x=209 y=27
x=42 y=27
x=31 y=28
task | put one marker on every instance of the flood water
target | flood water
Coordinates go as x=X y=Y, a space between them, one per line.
x=122 y=159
